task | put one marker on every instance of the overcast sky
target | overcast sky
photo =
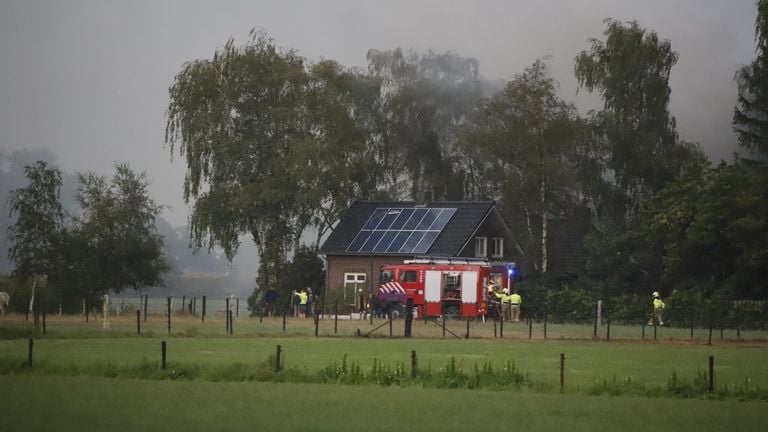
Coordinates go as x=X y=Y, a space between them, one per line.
x=89 y=79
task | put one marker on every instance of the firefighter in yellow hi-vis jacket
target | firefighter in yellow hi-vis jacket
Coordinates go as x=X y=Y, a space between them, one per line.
x=657 y=317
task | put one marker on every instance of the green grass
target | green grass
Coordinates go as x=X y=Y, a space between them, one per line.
x=86 y=378
x=587 y=363
x=32 y=403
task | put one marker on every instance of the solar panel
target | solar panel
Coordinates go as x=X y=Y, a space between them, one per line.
x=401 y=230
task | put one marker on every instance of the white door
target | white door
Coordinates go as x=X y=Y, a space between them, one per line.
x=469 y=287
x=432 y=286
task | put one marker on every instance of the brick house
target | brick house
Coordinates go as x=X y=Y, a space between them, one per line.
x=372 y=234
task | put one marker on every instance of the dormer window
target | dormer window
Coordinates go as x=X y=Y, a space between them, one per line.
x=481 y=246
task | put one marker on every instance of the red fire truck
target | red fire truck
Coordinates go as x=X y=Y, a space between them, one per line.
x=450 y=288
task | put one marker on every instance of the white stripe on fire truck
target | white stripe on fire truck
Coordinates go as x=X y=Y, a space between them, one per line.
x=392 y=287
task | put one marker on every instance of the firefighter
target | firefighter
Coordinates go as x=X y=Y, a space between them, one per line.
x=657 y=316
x=360 y=303
x=497 y=299
x=303 y=297
x=504 y=298
x=515 y=301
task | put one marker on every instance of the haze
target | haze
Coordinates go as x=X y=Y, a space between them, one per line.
x=89 y=79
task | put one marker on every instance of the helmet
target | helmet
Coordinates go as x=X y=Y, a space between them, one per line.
x=655 y=293
x=506 y=290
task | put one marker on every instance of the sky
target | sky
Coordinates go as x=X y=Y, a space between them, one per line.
x=89 y=79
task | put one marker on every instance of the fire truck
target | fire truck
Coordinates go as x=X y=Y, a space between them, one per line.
x=449 y=288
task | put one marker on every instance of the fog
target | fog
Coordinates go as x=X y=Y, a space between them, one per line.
x=89 y=79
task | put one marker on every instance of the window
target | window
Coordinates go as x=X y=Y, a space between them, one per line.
x=408 y=276
x=352 y=283
x=497 y=247
x=481 y=246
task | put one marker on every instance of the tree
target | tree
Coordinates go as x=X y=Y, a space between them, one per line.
x=523 y=141
x=115 y=240
x=39 y=221
x=423 y=99
x=339 y=164
x=631 y=70
x=750 y=118
x=238 y=119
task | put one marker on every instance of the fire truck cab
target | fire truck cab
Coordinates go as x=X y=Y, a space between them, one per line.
x=441 y=288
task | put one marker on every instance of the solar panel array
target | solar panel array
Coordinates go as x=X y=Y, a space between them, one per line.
x=401 y=230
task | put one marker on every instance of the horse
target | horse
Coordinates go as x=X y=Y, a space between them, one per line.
x=5 y=299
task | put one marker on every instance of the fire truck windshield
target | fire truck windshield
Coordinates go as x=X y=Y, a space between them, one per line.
x=387 y=276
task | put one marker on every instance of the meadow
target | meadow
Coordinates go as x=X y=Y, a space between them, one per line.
x=626 y=383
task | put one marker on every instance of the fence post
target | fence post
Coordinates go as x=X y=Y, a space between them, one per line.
x=317 y=324
x=545 y=323
x=226 y=315
x=203 y=314
x=467 y=336
x=146 y=300
x=162 y=349
x=29 y=358
x=501 y=327
x=335 y=316
x=390 y=327
x=711 y=384
x=237 y=306
x=44 y=331
x=562 y=372
x=530 y=328
x=169 y=314
x=597 y=314
x=138 y=322
x=231 y=323
x=278 y=353
x=413 y=364
x=608 y=332
x=284 y=312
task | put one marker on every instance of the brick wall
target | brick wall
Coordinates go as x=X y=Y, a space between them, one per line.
x=338 y=265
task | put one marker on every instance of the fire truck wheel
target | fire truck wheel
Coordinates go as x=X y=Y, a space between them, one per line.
x=396 y=311
x=451 y=312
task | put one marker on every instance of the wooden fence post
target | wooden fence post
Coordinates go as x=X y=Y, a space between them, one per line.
x=711 y=384
x=162 y=349
x=29 y=358
x=562 y=371
x=413 y=364
x=278 y=354
x=138 y=322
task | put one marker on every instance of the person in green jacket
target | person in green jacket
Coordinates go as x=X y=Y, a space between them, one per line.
x=657 y=317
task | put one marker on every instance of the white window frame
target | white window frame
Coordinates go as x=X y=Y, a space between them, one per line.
x=481 y=246
x=359 y=281
x=497 y=252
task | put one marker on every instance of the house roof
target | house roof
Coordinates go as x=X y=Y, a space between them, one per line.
x=452 y=239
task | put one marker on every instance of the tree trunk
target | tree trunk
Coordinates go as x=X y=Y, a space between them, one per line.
x=32 y=297
x=544 y=227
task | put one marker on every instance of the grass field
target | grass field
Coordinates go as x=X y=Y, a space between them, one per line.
x=71 y=361
x=89 y=404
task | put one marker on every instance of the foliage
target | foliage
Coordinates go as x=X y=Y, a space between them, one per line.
x=750 y=114
x=39 y=221
x=304 y=271
x=522 y=144
x=114 y=243
x=422 y=99
x=631 y=71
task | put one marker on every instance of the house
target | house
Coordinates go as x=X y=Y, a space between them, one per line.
x=373 y=234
